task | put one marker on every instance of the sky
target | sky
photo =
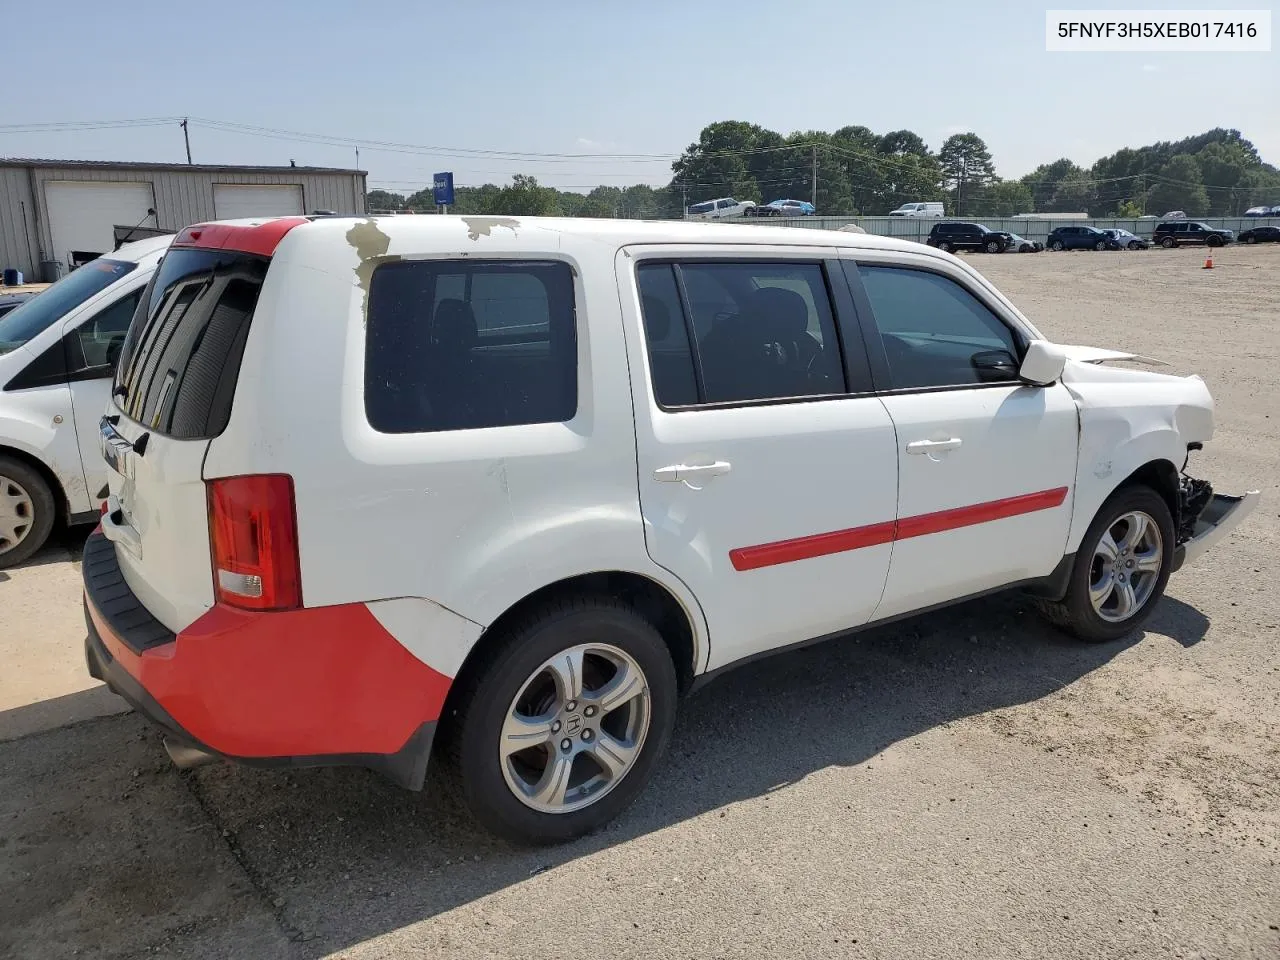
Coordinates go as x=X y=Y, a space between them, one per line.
x=615 y=91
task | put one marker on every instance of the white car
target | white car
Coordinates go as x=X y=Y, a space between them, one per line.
x=57 y=357
x=918 y=210
x=500 y=490
x=721 y=209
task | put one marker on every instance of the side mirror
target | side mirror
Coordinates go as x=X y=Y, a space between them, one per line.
x=1042 y=364
x=995 y=366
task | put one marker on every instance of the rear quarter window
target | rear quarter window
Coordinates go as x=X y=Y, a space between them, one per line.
x=454 y=345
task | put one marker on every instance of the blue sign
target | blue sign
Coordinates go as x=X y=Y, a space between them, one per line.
x=442 y=184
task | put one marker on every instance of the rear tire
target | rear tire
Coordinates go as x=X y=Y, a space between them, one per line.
x=1251 y=240
x=512 y=793
x=1056 y=245
x=27 y=511
x=1168 y=243
x=1108 y=598
x=944 y=246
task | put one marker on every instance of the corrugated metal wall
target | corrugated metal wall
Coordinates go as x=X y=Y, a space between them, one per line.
x=181 y=198
x=18 y=244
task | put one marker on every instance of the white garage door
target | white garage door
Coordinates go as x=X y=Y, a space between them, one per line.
x=231 y=201
x=83 y=213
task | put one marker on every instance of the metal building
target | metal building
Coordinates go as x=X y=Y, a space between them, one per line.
x=58 y=214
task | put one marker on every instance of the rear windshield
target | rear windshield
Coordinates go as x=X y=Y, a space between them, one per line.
x=181 y=359
x=39 y=312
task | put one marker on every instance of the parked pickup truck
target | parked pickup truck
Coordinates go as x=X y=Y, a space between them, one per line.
x=497 y=491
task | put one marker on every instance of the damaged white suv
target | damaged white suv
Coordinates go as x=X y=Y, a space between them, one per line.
x=500 y=490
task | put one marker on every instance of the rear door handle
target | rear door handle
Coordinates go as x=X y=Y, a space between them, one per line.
x=933 y=446
x=690 y=473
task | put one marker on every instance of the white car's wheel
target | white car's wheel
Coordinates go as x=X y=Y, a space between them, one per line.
x=1121 y=568
x=26 y=511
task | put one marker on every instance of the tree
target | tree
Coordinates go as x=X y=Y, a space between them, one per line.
x=524 y=198
x=383 y=200
x=965 y=161
x=728 y=159
x=902 y=142
x=1003 y=198
x=1179 y=187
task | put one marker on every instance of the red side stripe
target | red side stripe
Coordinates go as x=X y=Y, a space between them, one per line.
x=819 y=545
x=927 y=523
x=839 y=541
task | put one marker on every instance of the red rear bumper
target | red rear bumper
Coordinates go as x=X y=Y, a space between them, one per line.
x=319 y=686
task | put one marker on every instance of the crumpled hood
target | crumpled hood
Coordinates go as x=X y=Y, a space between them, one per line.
x=1140 y=400
x=1082 y=354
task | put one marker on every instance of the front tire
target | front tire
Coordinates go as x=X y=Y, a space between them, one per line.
x=1120 y=570
x=559 y=730
x=1215 y=242
x=994 y=246
x=27 y=510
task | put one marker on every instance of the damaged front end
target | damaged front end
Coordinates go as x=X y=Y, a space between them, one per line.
x=1205 y=517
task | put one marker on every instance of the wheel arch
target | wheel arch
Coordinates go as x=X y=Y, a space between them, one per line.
x=654 y=601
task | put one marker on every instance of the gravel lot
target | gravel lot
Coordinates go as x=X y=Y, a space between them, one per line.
x=969 y=784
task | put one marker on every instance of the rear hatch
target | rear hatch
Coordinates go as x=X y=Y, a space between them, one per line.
x=172 y=394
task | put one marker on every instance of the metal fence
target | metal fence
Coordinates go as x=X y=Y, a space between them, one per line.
x=917 y=228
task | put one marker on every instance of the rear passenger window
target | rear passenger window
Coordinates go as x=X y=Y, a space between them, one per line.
x=461 y=346
x=751 y=331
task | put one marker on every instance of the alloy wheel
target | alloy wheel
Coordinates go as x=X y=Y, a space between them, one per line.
x=575 y=729
x=1126 y=566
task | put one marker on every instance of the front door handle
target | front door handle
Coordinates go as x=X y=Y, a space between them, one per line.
x=690 y=473
x=933 y=446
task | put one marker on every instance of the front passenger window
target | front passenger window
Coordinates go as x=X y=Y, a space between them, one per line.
x=935 y=332
x=94 y=347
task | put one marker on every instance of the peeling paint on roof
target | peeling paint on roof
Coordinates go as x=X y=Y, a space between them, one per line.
x=371 y=246
x=482 y=225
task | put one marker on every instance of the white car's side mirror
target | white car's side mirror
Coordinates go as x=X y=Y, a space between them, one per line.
x=1042 y=364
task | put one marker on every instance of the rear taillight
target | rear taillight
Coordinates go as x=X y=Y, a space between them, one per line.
x=253 y=533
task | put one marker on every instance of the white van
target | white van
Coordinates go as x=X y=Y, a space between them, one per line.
x=918 y=210
x=57 y=356
x=501 y=489
x=721 y=209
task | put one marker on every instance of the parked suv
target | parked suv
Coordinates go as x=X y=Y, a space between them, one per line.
x=501 y=489
x=58 y=352
x=1181 y=232
x=968 y=236
x=1080 y=238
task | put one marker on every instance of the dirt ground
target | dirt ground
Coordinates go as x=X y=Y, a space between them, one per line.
x=966 y=785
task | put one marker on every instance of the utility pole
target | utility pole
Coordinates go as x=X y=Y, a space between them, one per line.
x=814 y=199
x=186 y=138
x=684 y=199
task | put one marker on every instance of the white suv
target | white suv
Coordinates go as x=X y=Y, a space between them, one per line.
x=507 y=487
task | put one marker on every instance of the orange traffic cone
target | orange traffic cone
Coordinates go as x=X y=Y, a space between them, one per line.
x=1208 y=262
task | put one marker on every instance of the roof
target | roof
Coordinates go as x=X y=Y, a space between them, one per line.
x=176 y=167
x=446 y=231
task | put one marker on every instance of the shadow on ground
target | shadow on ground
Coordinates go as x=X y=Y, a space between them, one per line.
x=100 y=826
